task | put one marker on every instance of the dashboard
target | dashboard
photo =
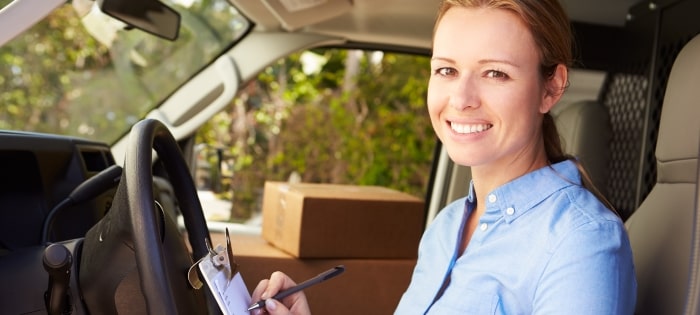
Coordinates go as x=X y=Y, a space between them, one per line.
x=39 y=171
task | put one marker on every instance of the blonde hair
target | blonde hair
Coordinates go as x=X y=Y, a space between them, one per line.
x=551 y=30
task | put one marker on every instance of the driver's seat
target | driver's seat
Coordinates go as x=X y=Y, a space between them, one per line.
x=661 y=229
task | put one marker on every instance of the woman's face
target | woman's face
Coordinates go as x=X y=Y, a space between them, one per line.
x=486 y=97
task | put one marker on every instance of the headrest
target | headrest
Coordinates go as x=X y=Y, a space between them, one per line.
x=679 y=128
x=586 y=132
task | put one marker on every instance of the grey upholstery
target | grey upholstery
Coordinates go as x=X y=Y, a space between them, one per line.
x=660 y=229
x=585 y=129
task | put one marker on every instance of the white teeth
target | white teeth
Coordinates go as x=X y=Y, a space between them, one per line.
x=466 y=129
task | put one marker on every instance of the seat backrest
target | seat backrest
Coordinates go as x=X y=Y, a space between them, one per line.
x=661 y=228
x=586 y=132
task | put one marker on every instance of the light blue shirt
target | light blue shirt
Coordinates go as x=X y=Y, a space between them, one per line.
x=545 y=245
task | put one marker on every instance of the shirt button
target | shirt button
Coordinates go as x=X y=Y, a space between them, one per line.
x=510 y=211
x=492 y=198
x=484 y=226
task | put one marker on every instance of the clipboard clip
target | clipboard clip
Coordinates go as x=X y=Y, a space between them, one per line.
x=221 y=258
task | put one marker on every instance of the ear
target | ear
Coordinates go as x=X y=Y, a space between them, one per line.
x=554 y=88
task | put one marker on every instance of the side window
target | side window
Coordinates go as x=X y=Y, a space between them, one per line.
x=319 y=116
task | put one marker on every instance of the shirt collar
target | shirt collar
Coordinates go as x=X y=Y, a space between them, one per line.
x=515 y=198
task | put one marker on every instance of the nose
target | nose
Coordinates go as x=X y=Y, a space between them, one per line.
x=464 y=94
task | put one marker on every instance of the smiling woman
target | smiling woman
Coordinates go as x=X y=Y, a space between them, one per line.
x=489 y=100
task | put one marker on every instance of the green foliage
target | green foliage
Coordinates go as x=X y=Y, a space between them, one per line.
x=33 y=76
x=360 y=119
x=57 y=78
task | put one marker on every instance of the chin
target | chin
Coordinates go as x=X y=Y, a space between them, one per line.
x=466 y=157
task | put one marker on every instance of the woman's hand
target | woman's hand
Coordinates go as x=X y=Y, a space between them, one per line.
x=294 y=304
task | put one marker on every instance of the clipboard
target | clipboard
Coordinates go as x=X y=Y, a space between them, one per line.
x=220 y=273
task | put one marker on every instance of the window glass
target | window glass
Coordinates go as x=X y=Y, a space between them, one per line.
x=321 y=116
x=81 y=73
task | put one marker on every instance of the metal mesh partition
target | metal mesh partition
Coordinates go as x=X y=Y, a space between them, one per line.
x=634 y=96
x=626 y=101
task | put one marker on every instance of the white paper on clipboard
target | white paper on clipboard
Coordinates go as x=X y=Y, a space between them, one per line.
x=232 y=296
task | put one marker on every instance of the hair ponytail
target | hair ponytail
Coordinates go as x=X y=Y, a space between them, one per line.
x=552 y=142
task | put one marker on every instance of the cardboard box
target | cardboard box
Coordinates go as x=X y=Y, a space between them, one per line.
x=342 y=221
x=368 y=286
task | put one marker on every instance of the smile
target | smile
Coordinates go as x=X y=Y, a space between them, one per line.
x=469 y=128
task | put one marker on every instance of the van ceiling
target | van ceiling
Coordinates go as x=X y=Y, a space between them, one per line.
x=395 y=22
x=605 y=12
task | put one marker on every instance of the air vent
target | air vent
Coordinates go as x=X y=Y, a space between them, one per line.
x=95 y=160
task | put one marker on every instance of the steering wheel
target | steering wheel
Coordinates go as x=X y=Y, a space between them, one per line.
x=136 y=246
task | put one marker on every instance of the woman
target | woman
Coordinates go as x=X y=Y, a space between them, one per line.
x=533 y=236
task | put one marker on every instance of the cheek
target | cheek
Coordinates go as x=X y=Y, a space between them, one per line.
x=436 y=100
x=526 y=114
x=523 y=102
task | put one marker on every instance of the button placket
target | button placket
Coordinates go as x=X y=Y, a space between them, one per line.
x=491 y=199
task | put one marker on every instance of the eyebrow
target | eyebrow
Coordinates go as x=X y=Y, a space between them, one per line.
x=501 y=61
x=482 y=61
x=442 y=59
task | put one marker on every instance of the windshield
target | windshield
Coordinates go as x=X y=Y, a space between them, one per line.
x=81 y=73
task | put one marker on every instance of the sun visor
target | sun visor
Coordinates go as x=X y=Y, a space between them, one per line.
x=295 y=14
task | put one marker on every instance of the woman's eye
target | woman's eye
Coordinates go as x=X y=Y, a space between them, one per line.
x=445 y=71
x=496 y=74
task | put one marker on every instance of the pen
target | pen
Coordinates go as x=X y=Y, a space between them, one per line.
x=317 y=279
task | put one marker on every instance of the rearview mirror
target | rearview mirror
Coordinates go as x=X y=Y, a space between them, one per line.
x=151 y=16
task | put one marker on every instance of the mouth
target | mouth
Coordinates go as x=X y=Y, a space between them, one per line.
x=469 y=128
